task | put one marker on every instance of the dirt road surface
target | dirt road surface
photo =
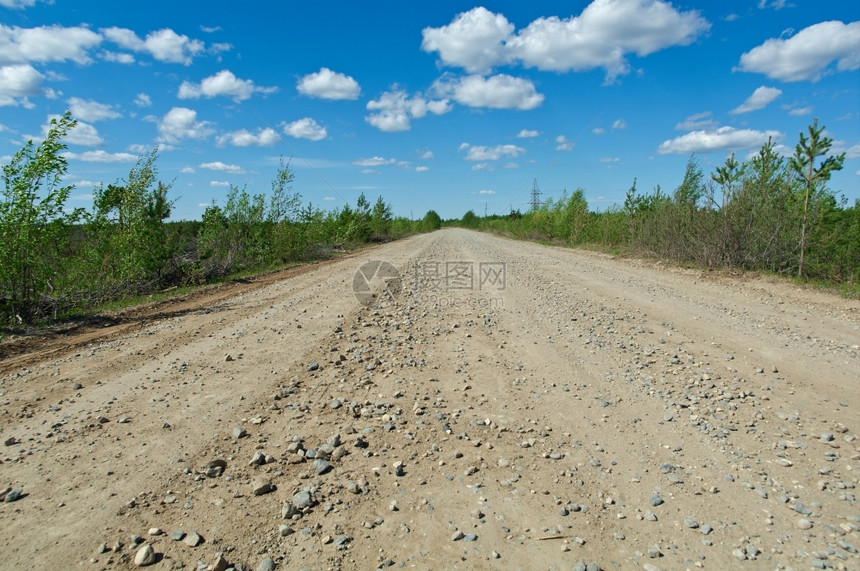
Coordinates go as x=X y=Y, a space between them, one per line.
x=504 y=405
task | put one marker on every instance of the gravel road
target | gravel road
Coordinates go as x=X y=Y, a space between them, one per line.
x=471 y=403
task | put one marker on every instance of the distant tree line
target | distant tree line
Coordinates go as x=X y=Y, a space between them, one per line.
x=770 y=213
x=55 y=261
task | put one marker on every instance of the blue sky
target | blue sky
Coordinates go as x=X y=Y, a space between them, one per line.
x=444 y=105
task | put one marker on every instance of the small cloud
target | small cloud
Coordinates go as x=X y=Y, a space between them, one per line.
x=394 y=110
x=483 y=153
x=138 y=148
x=800 y=111
x=219 y=183
x=164 y=45
x=426 y=155
x=700 y=121
x=143 y=100
x=306 y=128
x=500 y=91
x=723 y=139
x=759 y=99
x=619 y=124
x=210 y=30
x=422 y=169
x=100 y=156
x=222 y=167
x=327 y=84
x=610 y=160
x=181 y=123
x=118 y=57
x=374 y=162
x=222 y=83
x=328 y=198
x=775 y=4
x=89 y=110
x=81 y=134
x=562 y=144
x=187 y=170
x=527 y=134
x=487 y=192
x=244 y=138
x=598 y=130
x=483 y=167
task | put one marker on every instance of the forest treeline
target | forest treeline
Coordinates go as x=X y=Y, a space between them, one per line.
x=56 y=261
x=770 y=213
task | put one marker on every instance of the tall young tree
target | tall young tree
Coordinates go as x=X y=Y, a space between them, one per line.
x=34 y=227
x=810 y=176
x=127 y=231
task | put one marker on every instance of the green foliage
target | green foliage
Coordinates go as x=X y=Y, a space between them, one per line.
x=234 y=237
x=380 y=219
x=127 y=247
x=470 y=220
x=34 y=226
x=431 y=221
x=811 y=177
x=764 y=214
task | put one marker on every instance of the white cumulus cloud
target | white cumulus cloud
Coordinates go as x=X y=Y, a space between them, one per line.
x=306 y=128
x=484 y=153
x=143 y=100
x=244 y=138
x=17 y=82
x=603 y=34
x=600 y=37
x=807 y=55
x=117 y=57
x=527 y=134
x=222 y=167
x=698 y=122
x=721 y=139
x=222 y=83
x=374 y=162
x=760 y=98
x=474 y=40
x=563 y=144
x=81 y=134
x=90 y=110
x=46 y=44
x=101 y=156
x=181 y=123
x=394 y=110
x=164 y=45
x=495 y=92
x=17 y=4
x=327 y=84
